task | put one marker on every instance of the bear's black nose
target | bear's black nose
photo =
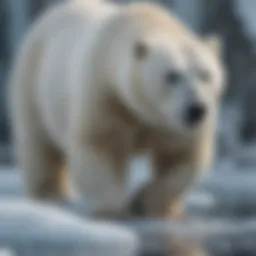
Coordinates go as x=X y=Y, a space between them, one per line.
x=195 y=113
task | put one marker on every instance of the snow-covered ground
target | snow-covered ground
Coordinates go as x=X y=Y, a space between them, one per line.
x=222 y=208
x=33 y=229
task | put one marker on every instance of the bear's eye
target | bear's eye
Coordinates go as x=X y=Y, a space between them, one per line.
x=173 y=77
x=204 y=76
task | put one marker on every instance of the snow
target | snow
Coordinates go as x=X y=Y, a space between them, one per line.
x=27 y=225
x=222 y=210
x=6 y=252
x=10 y=182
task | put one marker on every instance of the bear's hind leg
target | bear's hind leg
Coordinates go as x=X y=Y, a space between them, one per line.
x=41 y=163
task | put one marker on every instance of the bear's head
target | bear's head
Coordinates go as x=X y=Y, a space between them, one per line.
x=170 y=76
x=180 y=80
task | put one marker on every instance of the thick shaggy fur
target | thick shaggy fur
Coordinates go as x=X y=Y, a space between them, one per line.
x=82 y=95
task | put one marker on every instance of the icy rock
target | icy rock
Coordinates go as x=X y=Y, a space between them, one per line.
x=29 y=229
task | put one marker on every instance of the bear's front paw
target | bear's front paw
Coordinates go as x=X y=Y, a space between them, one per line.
x=145 y=206
x=112 y=215
x=137 y=207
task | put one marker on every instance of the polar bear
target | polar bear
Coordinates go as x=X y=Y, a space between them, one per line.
x=94 y=84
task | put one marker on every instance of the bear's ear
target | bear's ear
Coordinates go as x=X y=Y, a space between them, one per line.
x=141 y=50
x=215 y=43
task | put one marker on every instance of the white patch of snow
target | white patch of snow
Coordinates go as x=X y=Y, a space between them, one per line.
x=29 y=223
x=6 y=252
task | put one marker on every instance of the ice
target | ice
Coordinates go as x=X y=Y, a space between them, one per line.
x=28 y=227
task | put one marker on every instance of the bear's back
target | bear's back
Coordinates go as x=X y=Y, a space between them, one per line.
x=54 y=39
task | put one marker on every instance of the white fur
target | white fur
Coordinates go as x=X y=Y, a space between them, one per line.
x=74 y=57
